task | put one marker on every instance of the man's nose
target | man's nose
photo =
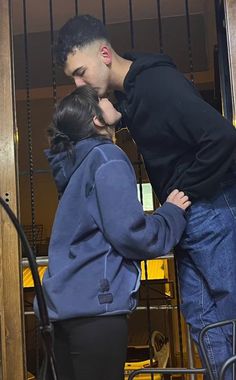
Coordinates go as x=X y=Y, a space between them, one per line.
x=79 y=81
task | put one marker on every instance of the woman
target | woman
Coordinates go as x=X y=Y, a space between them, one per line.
x=100 y=234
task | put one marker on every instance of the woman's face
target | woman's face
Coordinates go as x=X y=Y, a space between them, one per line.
x=110 y=115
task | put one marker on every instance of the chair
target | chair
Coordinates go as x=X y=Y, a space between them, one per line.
x=228 y=362
x=208 y=370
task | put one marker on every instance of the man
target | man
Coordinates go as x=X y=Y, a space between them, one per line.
x=185 y=144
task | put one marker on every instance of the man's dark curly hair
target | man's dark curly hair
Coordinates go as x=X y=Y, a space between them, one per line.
x=79 y=31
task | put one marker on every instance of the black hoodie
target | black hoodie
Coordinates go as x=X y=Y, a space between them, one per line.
x=185 y=143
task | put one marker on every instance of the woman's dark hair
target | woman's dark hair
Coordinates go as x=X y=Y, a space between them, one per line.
x=78 y=32
x=73 y=119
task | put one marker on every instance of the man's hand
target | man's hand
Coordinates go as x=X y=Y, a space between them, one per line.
x=179 y=199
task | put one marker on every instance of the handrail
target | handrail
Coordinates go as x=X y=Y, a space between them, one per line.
x=166 y=371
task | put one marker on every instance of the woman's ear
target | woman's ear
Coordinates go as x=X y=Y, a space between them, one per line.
x=98 y=123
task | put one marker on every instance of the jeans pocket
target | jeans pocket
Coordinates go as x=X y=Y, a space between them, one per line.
x=200 y=217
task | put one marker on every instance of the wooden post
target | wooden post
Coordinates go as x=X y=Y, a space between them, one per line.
x=230 y=17
x=11 y=309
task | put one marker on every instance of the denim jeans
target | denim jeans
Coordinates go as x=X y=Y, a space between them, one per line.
x=206 y=258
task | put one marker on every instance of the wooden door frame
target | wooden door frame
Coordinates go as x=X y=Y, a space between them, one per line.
x=11 y=305
x=230 y=17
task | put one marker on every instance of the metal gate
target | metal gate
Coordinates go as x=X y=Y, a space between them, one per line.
x=192 y=33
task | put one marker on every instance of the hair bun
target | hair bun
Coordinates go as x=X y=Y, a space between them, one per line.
x=59 y=141
x=60 y=137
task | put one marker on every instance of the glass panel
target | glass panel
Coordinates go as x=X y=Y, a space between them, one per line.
x=147 y=196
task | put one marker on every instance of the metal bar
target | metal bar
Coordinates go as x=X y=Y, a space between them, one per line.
x=167 y=371
x=190 y=53
x=131 y=23
x=202 y=344
x=148 y=308
x=140 y=179
x=226 y=365
x=179 y=314
x=35 y=171
x=225 y=85
x=159 y=307
x=229 y=8
x=53 y=67
x=103 y=12
x=43 y=260
x=29 y=126
x=76 y=8
x=190 y=352
x=234 y=346
x=29 y=313
x=39 y=260
x=160 y=26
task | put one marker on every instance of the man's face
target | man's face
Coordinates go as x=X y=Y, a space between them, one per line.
x=89 y=65
x=110 y=115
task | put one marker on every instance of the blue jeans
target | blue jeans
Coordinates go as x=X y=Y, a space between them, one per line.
x=206 y=258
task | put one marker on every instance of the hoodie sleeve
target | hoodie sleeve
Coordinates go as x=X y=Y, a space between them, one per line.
x=121 y=218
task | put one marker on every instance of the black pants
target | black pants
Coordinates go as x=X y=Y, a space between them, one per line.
x=91 y=348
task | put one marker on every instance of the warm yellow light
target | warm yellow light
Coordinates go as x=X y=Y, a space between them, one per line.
x=27 y=276
x=157 y=269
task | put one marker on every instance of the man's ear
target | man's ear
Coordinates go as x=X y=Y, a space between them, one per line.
x=106 y=54
x=98 y=124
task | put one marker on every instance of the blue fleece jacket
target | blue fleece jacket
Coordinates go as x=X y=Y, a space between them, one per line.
x=100 y=233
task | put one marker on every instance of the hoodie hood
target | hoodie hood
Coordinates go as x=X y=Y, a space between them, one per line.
x=64 y=164
x=142 y=62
